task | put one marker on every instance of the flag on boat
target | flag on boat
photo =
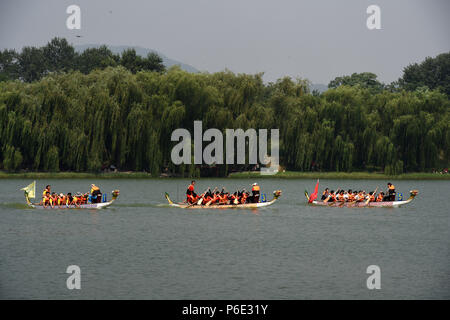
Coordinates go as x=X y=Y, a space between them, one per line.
x=30 y=190
x=313 y=196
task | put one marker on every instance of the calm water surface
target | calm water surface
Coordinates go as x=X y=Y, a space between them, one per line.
x=140 y=248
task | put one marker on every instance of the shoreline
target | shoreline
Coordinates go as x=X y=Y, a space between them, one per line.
x=240 y=175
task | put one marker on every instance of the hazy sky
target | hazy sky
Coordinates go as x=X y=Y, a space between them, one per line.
x=314 y=39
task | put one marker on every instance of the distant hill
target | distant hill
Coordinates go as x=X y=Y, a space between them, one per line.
x=319 y=87
x=142 y=52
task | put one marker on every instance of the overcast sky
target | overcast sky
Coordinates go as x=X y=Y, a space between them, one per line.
x=314 y=39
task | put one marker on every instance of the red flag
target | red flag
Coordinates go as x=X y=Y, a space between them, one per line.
x=313 y=196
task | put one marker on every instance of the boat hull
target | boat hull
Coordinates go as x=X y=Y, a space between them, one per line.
x=81 y=206
x=225 y=206
x=100 y=205
x=386 y=204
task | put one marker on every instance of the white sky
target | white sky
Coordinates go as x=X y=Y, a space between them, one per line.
x=314 y=39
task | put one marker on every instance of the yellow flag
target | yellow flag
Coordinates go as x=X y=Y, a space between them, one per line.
x=30 y=189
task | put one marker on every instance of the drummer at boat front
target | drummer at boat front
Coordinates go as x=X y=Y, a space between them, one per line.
x=190 y=193
x=391 y=191
x=255 y=192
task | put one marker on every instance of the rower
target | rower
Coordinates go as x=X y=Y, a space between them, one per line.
x=216 y=197
x=244 y=196
x=54 y=199
x=371 y=197
x=360 y=197
x=44 y=193
x=325 y=194
x=46 y=200
x=223 y=197
x=380 y=197
x=340 y=196
x=255 y=193
x=351 y=196
x=69 y=200
x=391 y=191
x=331 y=197
x=61 y=199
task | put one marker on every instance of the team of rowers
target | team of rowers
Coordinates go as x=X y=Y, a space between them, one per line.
x=358 y=196
x=52 y=199
x=223 y=197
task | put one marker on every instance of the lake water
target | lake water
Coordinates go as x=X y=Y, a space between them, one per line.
x=139 y=248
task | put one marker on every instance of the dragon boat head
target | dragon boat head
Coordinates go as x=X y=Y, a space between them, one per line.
x=115 y=194
x=413 y=193
x=277 y=194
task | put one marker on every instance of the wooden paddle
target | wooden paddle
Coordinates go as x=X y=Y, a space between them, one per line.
x=209 y=202
x=368 y=200
x=199 y=202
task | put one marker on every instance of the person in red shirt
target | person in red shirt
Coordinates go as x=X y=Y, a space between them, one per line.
x=191 y=196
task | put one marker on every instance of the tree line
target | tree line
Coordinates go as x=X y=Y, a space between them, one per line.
x=116 y=115
x=33 y=63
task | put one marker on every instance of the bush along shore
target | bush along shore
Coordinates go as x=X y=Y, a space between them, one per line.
x=239 y=175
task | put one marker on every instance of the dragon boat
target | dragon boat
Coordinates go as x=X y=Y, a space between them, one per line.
x=30 y=192
x=365 y=204
x=276 y=195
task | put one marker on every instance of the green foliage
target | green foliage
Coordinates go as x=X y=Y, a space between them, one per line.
x=59 y=56
x=366 y=80
x=9 y=68
x=122 y=115
x=433 y=73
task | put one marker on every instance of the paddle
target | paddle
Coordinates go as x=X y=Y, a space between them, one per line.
x=209 y=202
x=368 y=200
x=199 y=202
x=331 y=203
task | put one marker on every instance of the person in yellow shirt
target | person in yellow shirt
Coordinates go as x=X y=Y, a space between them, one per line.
x=255 y=193
x=391 y=191
x=44 y=193
x=95 y=191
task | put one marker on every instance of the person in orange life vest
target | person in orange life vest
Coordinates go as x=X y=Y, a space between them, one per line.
x=340 y=196
x=361 y=196
x=244 y=196
x=234 y=198
x=77 y=199
x=255 y=193
x=46 y=200
x=380 y=197
x=61 y=199
x=54 y=199
x=391 y=191
x=223 y=197
x=190 y=193
x=325 y=194
x=351 y=196
x=207 y=196
x=215 y=197
x=331 y=197
x=371 y=197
